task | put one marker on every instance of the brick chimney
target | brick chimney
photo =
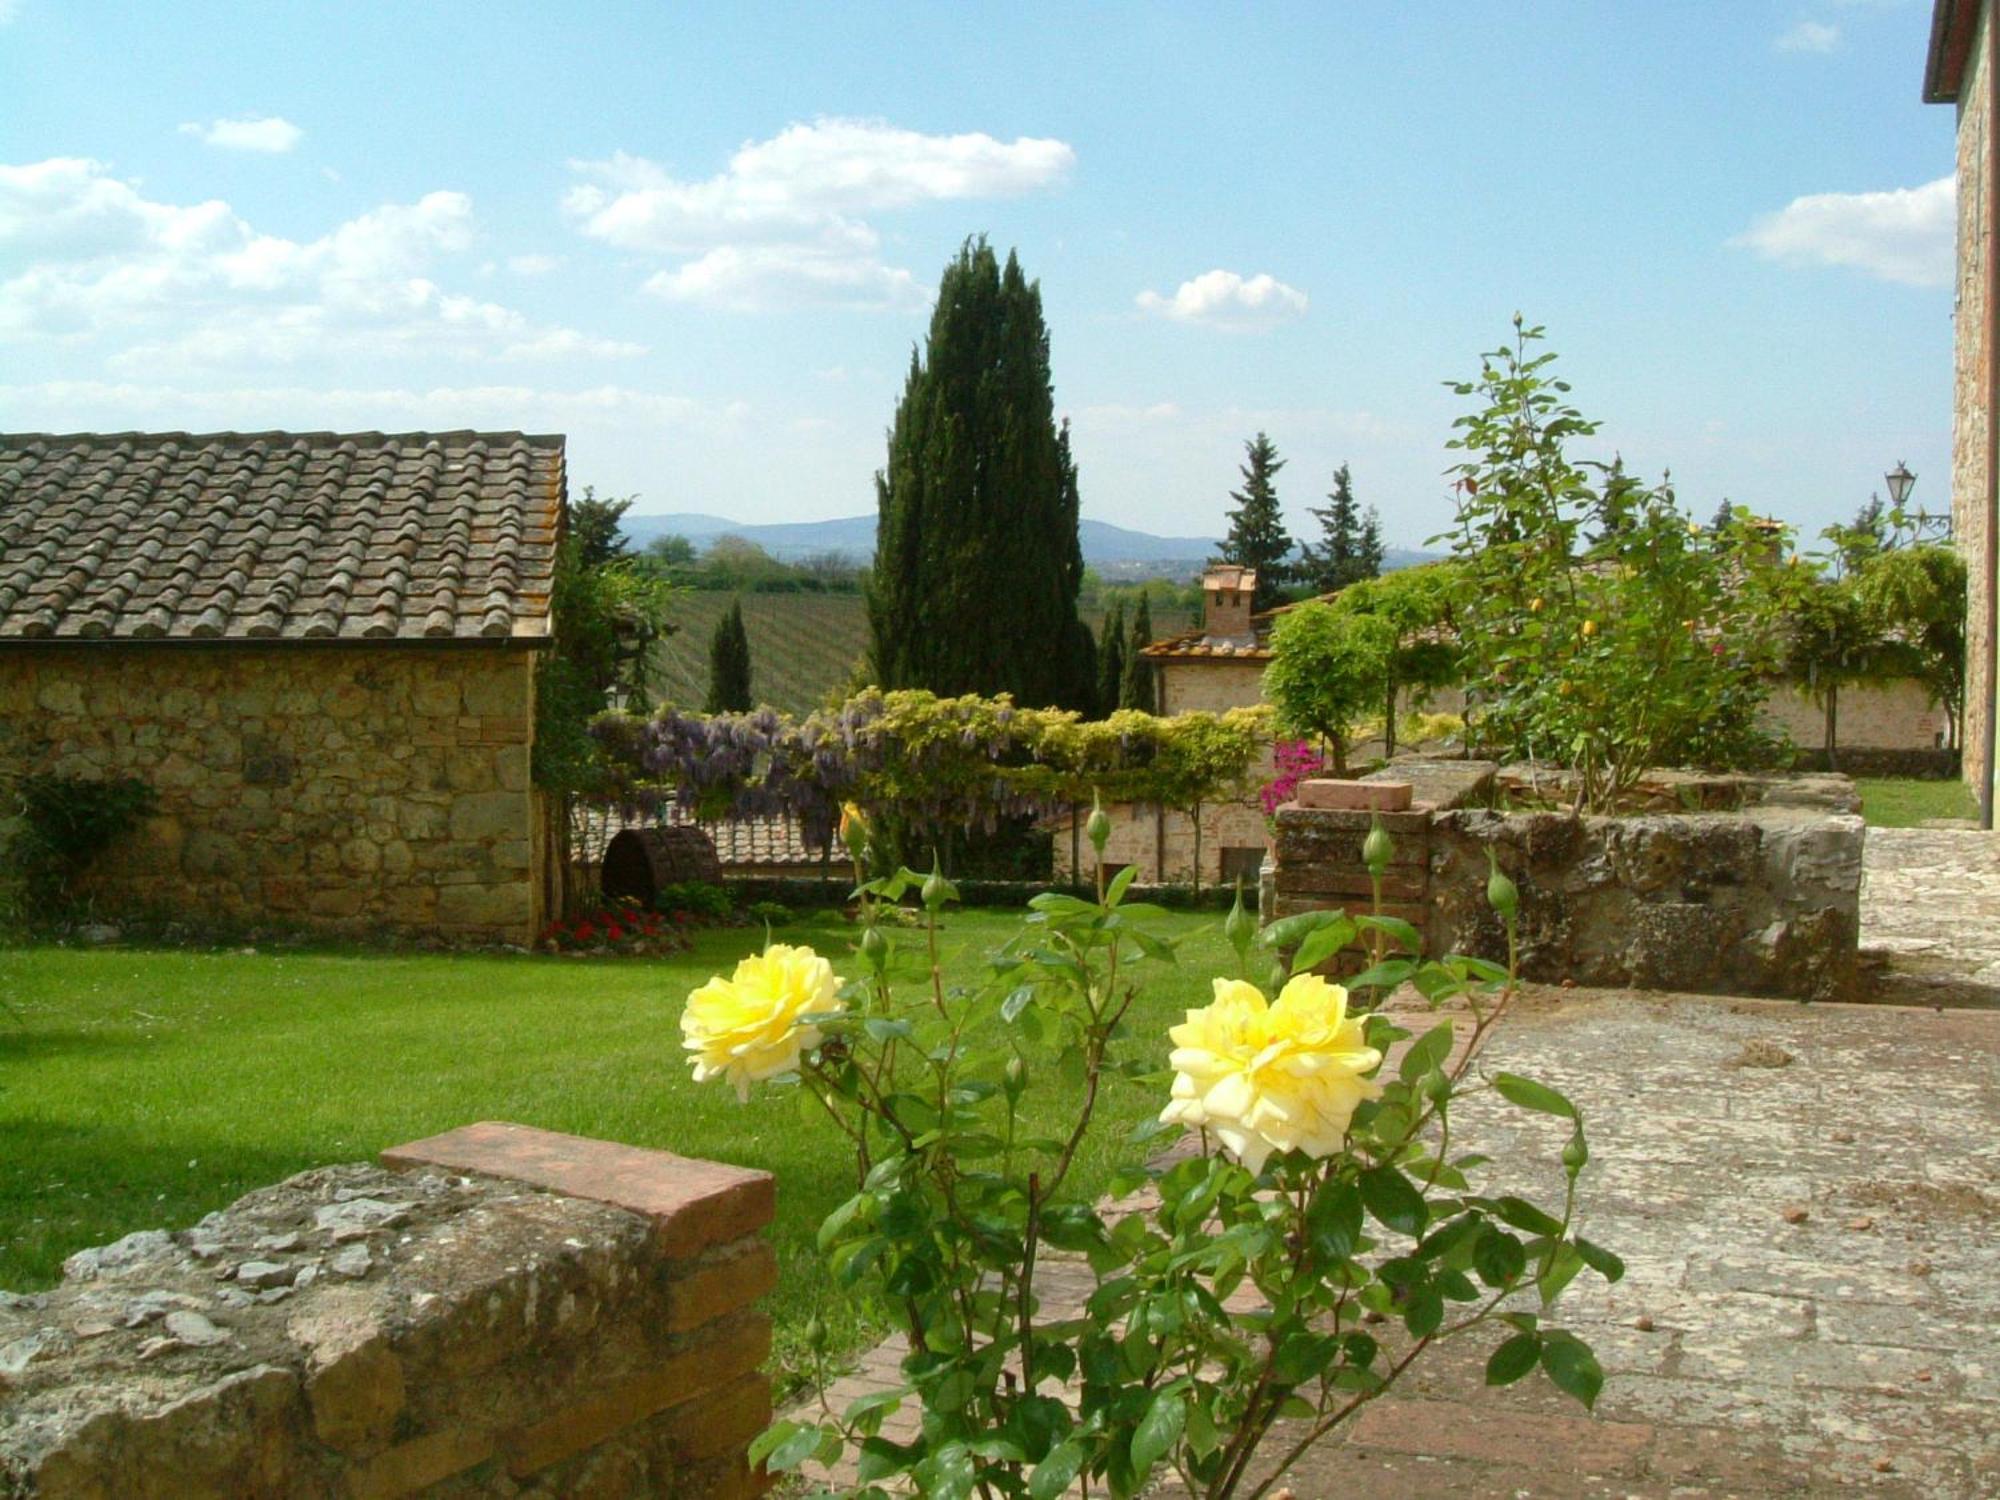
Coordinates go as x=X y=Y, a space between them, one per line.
x=1227 y=592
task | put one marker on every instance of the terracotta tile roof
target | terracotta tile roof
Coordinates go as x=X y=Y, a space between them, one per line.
x=278 y=536
x=739 y=842
x=1194 y=646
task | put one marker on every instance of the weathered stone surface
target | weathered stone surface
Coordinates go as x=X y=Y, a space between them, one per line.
x=462 y=1335
x=331 y=788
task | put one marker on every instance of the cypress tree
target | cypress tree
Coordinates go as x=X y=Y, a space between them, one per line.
x=729 y=664
x=1111 y=659
x=1257 y=536
x=1135 y=688
x=977 y=562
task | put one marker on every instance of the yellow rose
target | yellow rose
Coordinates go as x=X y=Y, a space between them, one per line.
x=1589 y=628
x=746 y=1028
x=1263 y=1077
x=853 y=829
x=1535 y=605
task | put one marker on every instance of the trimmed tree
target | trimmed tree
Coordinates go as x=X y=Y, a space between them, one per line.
x=1111 y=659
x=1136 y=687
x=1326 y=673
x=729 y=664
x=977 y=562
x=1416 y=603
x=1257 y=536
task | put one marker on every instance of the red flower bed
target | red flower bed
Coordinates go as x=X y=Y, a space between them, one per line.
x=625 y=928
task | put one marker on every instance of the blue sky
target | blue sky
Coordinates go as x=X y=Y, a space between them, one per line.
x=700 y=239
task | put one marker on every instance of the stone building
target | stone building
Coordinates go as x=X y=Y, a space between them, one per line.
x=1963 y=69
x=318 y=649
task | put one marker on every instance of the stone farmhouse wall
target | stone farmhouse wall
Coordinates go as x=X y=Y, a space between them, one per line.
x=511 y=1313
x=1969 y=478
x=1161 y=842
x=346 y=788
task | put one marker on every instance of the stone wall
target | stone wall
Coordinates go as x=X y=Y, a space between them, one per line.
x=511 y=1313
x=1970 y=482
x=347 y=789
x=1162 y=843
x=1210 y=686
x=1764 y=900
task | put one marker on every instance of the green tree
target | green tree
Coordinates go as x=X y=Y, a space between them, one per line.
x=1916 y=597
x=977 y=563
x=1111 y=658
x=594 y=527
x=1350 y=546
x=1416 y=603
x=1136 y=688
x=729 y=665
x=1257 y=536
x=1327 y=670
x=670 y=551
x=607 y=619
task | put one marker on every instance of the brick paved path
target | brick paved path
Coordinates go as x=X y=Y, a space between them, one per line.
x=1748 y=1351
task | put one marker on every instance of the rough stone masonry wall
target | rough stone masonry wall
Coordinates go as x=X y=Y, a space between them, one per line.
x=345 y=788
x=1969 y=479
x=366 y=1333
x=1761 y=901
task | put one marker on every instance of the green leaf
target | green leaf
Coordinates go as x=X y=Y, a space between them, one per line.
x=1514 y=1358
x=1572 y=1367
x=1531 y=1095
x=1386 y=975
x=1423 y=1311
x=1320 y=945
x=1524 y=1215
x=1159 y=1429
x=1120 y=883
x=1055 y=1473
x=785 y=1445
x=1391 y=1197
x=1600 y=1260
x=1017 y=1001
x=1427 y=1051
x=1561 y=1271
x=1498 y=1257
x=1396 y=929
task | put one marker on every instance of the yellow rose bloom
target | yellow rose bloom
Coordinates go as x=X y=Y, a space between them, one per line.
x=853 y=828
x=1590 y=627
x=1264 y=1077
x=746 y=1028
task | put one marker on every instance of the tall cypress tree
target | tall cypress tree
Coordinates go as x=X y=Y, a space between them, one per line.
x=1111 y=659
x=1350 y=547
x=1257 y=536
x=1135 y=688
x=977 y=562
x=729 y=664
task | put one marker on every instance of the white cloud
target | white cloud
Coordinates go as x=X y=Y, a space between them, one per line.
x=784 y=221
x=1223 y=299
x=268 y=133
x=167 y=285
x=1903 y=235
x=1809 y=36
x=533 y=265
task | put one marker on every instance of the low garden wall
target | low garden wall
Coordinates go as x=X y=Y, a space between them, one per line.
x=1762 y=898
x=496 y=1311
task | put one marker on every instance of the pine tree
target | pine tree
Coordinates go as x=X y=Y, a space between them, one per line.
x=594 y=525
x=1135 y=687
x=1257 y=536
x=729 y=664
x=977 y=562
x=1111 y=659
x=1350 y=546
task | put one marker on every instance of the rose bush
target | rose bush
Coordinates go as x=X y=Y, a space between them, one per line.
x=1327 y=1179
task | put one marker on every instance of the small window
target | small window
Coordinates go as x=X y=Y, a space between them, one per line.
x=1242 y=864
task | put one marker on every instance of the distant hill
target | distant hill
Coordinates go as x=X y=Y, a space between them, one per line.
x=1116 y=550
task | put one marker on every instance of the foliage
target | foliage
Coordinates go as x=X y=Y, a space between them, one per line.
x=977 y=563
x=735 y=564
x=1293 y=761
x=925 y=764
x=1600 y=627
x=670 y=551
x=594 y=527
x=729 y=665
x=1327 y=672
x=769 y=913
x=1917 y=596
x=1417 y=604
x=1138 y=687
x=696 y=898
x=1329 y=1183
x=1111 y=658
x=1257 y=537
x=1350 y=546
x=607 y=620
x=1832 y=639
x=66 y=822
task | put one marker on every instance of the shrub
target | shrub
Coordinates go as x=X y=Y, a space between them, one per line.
x=66 y=822
x=698 y=898
x=769 y=913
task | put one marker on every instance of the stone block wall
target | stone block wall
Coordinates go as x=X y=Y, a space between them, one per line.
x=348 y=788
x=1760 y=901
x=506 y=1312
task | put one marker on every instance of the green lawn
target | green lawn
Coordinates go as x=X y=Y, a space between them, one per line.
x=142 y=1088
x=1898 y=802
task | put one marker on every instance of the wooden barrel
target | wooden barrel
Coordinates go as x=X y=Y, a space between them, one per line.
x=638 y=861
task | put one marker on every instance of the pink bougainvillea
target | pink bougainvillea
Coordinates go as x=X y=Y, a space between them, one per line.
x=1294 y=761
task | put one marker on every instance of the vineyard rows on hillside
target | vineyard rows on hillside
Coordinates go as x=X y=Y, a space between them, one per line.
x=802 y=646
